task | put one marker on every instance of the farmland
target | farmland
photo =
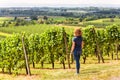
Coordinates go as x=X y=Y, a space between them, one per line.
x=45 y=45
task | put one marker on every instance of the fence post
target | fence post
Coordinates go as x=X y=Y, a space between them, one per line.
x=66 y=47
x=26 y=58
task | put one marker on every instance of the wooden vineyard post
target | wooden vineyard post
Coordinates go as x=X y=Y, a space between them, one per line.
x=26 y=58
x=66 y=47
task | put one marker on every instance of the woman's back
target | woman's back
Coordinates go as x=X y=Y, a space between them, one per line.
x=78 y=43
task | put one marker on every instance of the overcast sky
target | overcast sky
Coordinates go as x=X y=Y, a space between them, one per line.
x=35 y=3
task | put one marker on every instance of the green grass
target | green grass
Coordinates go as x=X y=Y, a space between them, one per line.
x=103 y=71
x=4 y=34
x=1 y=37
x=31 y=29
x=27 y=29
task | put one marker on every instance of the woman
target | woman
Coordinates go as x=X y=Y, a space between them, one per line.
x=76 y=49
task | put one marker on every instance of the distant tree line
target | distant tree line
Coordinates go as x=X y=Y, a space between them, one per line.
x=88 y=13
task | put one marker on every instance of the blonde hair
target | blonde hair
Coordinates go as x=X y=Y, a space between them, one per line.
x=77 y=32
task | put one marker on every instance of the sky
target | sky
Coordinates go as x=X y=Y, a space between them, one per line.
x=47 y=3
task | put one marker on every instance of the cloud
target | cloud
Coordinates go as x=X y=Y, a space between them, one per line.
x=54 y=2
x=61 y=1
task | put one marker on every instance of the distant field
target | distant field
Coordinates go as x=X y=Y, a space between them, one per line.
x=39 y=28
x=5 y=18
x=27 y=29
x=2 y=19
x=59 y=18
x=102 y=22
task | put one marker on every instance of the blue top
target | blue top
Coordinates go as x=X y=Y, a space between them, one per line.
x=78 y=42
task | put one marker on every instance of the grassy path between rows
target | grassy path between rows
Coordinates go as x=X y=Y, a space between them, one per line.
x=93 y=71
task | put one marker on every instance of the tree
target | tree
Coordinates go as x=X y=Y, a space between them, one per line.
x=45 y=18
x=15 y=18
x=34 y=17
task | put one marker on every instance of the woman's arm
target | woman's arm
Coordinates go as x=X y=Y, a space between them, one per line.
x=72 y=48
x=82 y=44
